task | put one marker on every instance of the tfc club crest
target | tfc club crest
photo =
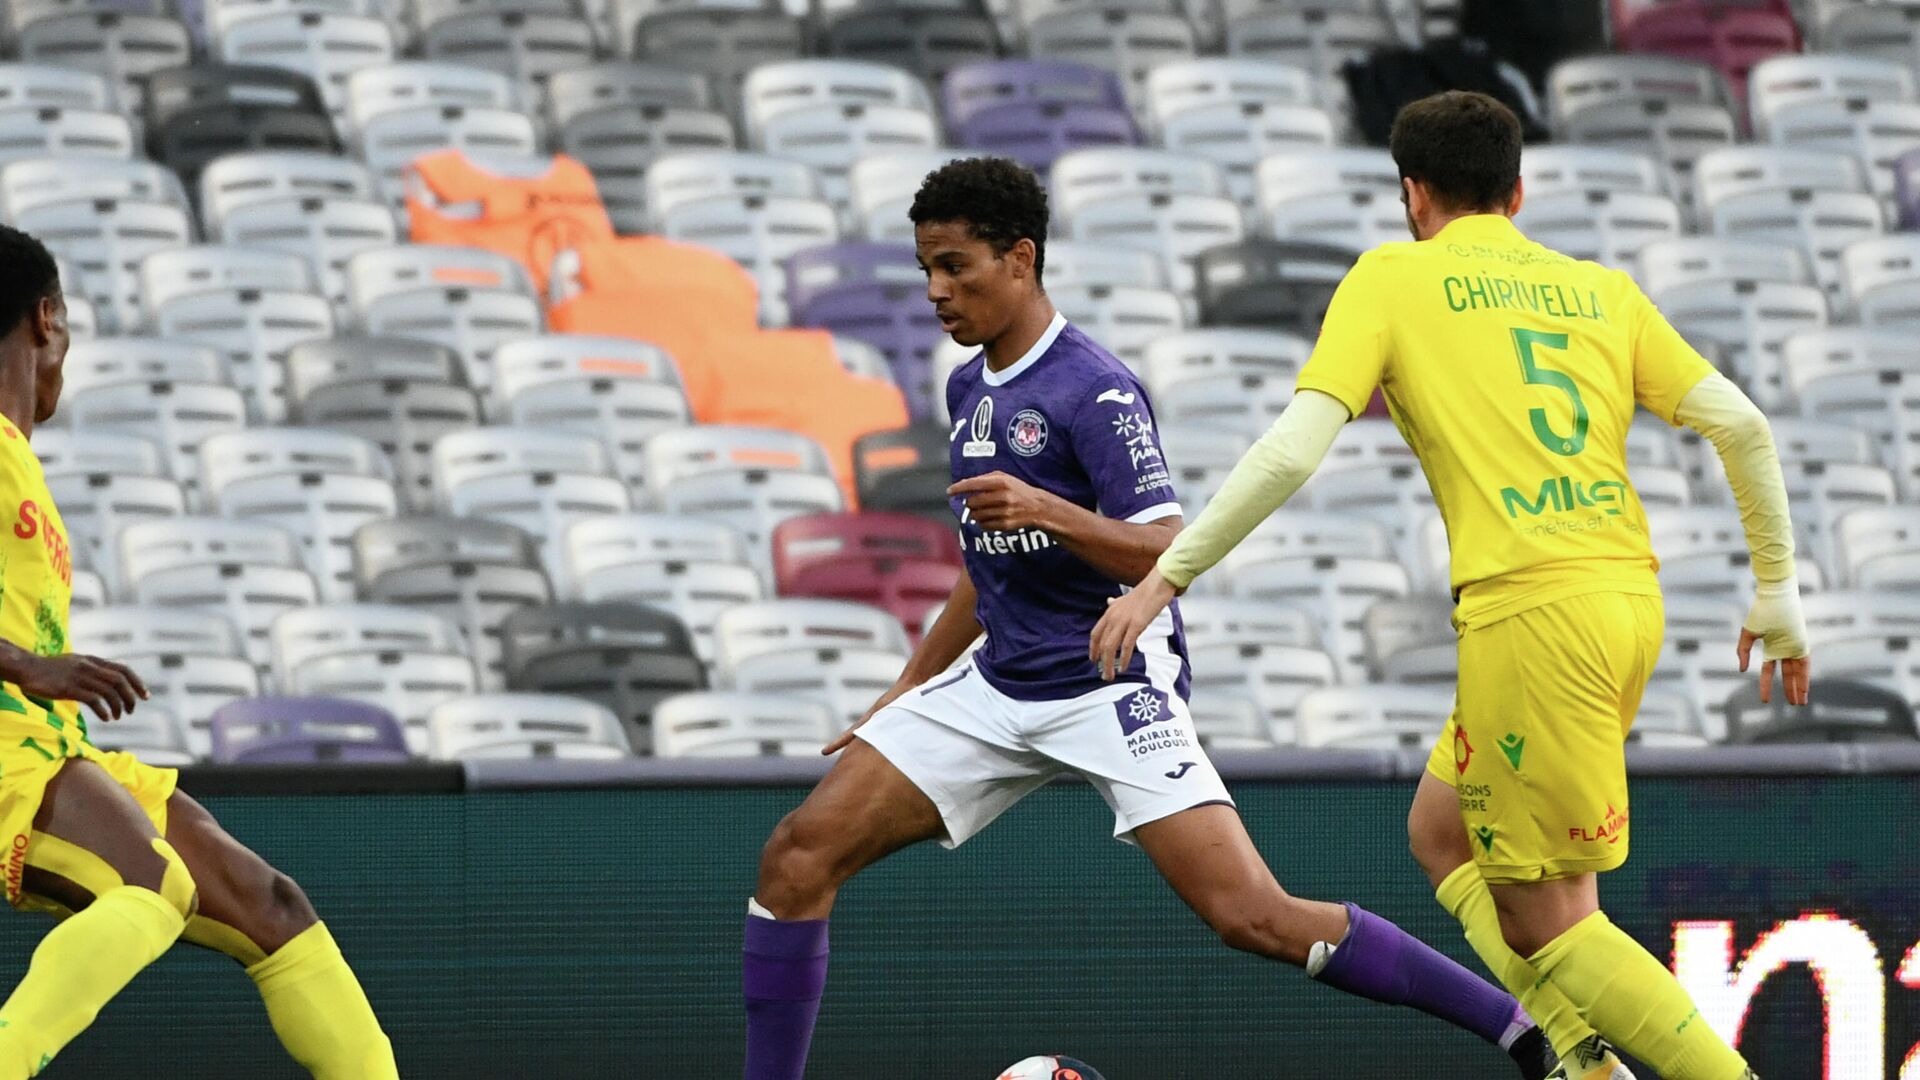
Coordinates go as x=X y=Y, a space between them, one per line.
x=1028 y=433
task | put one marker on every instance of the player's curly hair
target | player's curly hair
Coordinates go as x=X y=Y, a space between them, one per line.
x=1000 y=199
x=1465 y=146
x=27 y=276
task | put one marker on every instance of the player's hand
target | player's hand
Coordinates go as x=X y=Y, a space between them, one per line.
x=1004 y=503
x=1126 y=618
x=846 y=737
x=1777 y=622
x=108 y=688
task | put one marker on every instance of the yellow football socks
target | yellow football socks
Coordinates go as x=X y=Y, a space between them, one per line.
x=1633 y=1000
x=319 y=1011
x=79 y=966
x=1464 y=894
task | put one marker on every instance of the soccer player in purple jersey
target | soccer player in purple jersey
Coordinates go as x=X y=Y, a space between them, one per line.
x=1061 y=495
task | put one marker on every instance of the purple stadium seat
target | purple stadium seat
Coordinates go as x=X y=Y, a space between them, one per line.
x=975 y=88
x=302 y=730
x=1906 y=189
x=814 y=270
x=1730 y=38
x=892 y=317
x=1038 y=133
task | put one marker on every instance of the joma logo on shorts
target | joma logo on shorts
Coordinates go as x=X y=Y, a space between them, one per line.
x=1559 y=494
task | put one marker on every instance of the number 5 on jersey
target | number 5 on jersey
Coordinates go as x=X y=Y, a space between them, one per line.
x=1531 y=371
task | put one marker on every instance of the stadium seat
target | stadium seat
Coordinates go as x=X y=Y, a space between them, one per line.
x=846 y=680
x=53 y=86
x=1283 y=178
x=1271 y=284
x=695 y=591
x=234 y=456
x=905 y=470
x=560 y=358
x=235 y=180
x=595 y=544
x=526 y=46
x=1037 y=133
x=757 y=231
x=1317 y=40
x=1840 y=350
x=621 y=144
x=1128 y=43
x=1667 y=718
x=1869 y=537
x=152 y=732
x=1698 y=530
x=1883 y=280
x=332 y=629
x=407 y=683
x=926 y=42
x=1883 y=30
x=176 y=272
x=1668 y=264
x=1874 y=132
x=1228 y=722
x=1704 y=671
x=535 y=633
x=303 y=730
x=1121 y=318
x=1829 y=490
x=200 y=112
x=894 y=318
x=1789 y=80
x=1197 y=353
x=325 y=231
x=542 y=504
x=1174 y=87
x=1302 y=533
x=131 y=629
x=1609 y=227
x=1749 y=320
x=325 y=46
x=405 y=416
x=622 y=413
x=475 y=596
x=1889 y=662
x=1085 y=177
x=1674 y=133
x=1224 y=620
x=972 y=89
x=345 y=358
x=1885 y=402
x=63 y=131
x=64 y=452
x=323 y=509
x=1395 y=625
x=1821 y=222
x=628 y=682
x=249 y=594
x=374 y=274
x=1582 y=82
x=128 y=359
x=413 y=84
x=462 y=457
x=192 y=688
x=804 y=84
x=1373 y=717
x=105 y=239
x=470 y=321
x=685 y=177
x=1741 y=170
x=814 y=271
x=709 y=448
x=96 y=506
x=35 y=182
x=1363 y=219
x=1238 y=136
x=753 y=629
x=122 y=47
x=1274 y=677
x=253 y=329
x=89 y=591
x=520 y=725
x=177 y=416
x=726 y=44
x=740 y=725
x=1337 y=589
x=800 y=544
x=1733 y=38
x=391 y=140
x=1849 y=613
x=1837 y=710
x=584 y=88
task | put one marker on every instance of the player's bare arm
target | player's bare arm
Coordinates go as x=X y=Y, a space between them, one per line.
x=110 y=690
x=1120 y=550
x=944 y=642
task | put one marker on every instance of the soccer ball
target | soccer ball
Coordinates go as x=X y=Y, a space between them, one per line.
x=1049 y=1067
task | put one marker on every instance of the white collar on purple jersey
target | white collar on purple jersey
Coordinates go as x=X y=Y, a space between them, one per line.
x=1013 y=370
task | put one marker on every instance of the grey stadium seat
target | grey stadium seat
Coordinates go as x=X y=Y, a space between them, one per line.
x=253 y=329
x=470 y=321
x=381 y=546
x=235 y=180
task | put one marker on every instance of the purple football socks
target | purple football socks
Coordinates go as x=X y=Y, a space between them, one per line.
x=1379 y=960
x=783 y=974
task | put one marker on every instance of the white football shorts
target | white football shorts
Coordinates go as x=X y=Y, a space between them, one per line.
x=975 y=751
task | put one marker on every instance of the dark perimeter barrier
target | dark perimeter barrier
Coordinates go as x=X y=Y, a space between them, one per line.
x=533 y=919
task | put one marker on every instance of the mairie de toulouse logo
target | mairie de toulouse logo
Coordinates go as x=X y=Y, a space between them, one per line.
x=1028 y=432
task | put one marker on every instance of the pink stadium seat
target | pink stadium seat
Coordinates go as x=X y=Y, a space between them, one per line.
x=801 y=543
x=1731 y=38
x=904 y=588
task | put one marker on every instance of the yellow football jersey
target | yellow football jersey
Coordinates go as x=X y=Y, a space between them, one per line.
x=1512 y=370
x=36 y=585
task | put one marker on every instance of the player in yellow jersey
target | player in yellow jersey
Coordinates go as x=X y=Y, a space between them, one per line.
x=105 y=843
x=1513 y=372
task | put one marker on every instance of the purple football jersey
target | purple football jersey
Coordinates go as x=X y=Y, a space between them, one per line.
x=1068 y=418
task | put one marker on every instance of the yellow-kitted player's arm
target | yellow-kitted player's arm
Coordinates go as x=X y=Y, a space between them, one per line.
x=1334 y=387
x=1675 y=383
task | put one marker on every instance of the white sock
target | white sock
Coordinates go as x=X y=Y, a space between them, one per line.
x=754 y=909
x=1519 y=1025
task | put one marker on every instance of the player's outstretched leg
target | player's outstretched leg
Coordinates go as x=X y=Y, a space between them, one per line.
x=93 y=852
x=258 y=916
x=1440 y=845
x=1206 y=855
x=864 y=810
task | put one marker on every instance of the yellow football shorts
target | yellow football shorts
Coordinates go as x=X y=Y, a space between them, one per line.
x=1535 y=746
x=29 y=760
